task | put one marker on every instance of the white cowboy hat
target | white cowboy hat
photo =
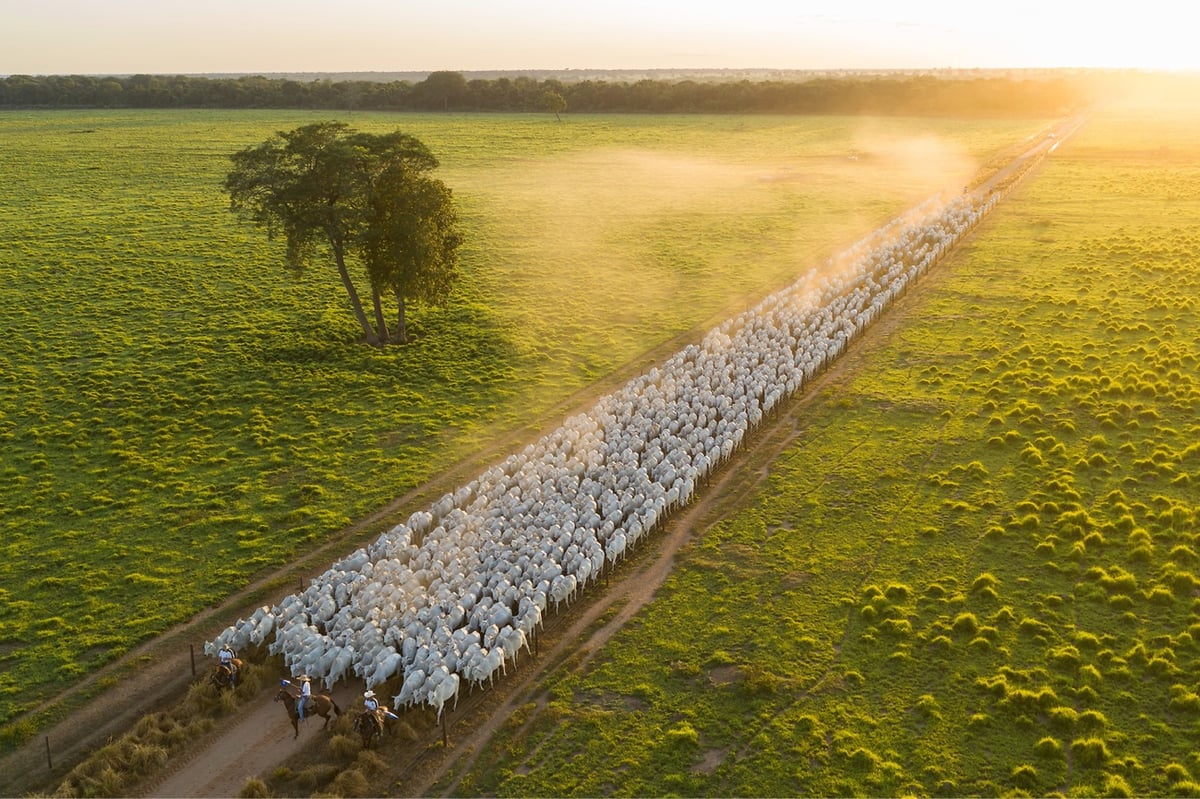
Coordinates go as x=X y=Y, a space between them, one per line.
x=368 y=694
x=304 y=678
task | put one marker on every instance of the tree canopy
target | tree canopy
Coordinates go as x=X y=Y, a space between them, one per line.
x=363 y=199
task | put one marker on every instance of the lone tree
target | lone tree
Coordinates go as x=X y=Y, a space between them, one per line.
x=360 y=197
x=553 y=102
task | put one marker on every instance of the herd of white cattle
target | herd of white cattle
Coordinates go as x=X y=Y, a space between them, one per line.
x=447 y=599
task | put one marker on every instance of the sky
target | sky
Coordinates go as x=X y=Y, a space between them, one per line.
x=93 y=37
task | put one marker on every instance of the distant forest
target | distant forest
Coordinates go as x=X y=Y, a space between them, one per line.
x=905 y=93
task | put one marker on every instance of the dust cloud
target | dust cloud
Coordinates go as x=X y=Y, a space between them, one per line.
x=623 y=222
x=925 y=163
x=613 y=240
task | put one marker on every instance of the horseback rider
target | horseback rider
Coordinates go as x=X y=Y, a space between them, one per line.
x=373 y=718
x=305 y=695
x=372 y=704
x=371 y=707
x=226 y=658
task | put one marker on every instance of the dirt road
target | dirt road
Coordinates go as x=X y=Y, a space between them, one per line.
x=249 y=745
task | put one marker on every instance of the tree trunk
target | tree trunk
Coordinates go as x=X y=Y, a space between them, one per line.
x=401 y=326
x=380 y=322
x=355 y=302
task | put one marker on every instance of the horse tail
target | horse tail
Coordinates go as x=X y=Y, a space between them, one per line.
x=337 y=711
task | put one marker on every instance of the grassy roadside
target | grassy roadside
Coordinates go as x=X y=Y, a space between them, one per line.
x=976 y=571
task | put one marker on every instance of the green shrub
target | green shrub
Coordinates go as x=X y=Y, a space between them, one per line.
x=1024 y=776
x=1184 y=700
x=1116 y=786
x=1120 y=601
x=1176 y=772
x=965 y=624
x=1090 y=752
x=941 y=643
x=899 y=628
x=863 y=759
x=1065 y=657
x=1182 y=554
x=1160 y=595
x=980 y=644
x=683 y=734
x=1034 y=627
x=1048 y=748
x=984 y=580
x=1063 y=717
x=927 y=705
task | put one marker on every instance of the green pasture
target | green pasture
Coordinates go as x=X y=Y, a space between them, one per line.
x=977 y=570
x=179 y=413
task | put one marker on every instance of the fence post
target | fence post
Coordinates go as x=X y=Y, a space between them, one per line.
x=49 y=762
x=192 y=648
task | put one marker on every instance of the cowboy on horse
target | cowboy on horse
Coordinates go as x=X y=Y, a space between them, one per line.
x=228 y=667
x=306 y=702
x=371 y=703
x=372 y=720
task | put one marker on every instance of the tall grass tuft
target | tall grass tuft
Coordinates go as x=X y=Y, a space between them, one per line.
x=254 y=788
x=343 y=748
x=370 y=762
x=350 y=783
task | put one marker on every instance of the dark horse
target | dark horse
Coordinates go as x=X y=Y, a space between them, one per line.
x=320 y=705
x=371 y=725
x=223 y=676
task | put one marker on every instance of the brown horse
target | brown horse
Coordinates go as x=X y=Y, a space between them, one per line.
x=320 y=705
x=225 y=677
x=369 y=725
x=374 y=724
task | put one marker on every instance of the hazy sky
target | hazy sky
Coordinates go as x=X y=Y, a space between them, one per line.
x=168 y=36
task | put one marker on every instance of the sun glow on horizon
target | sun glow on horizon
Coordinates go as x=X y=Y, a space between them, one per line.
x=131 y=36
x=1155 y=36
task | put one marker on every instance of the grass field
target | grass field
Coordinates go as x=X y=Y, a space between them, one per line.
x=976 y=572
x=179 y=414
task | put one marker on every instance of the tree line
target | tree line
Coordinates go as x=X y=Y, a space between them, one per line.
x=919 y=94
